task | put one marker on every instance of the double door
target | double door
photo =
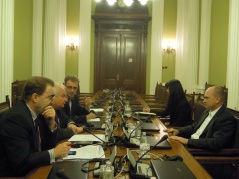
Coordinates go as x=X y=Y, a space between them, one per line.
x=120 y=61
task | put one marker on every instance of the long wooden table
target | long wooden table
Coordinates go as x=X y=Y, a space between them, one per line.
x=177 y=149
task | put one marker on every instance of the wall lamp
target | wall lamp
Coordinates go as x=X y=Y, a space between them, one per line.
x=169 y=46
x=72 y=43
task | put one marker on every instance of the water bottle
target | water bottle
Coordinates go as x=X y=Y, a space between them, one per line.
x=127 y=109
x=108 y=172
x=144 y=145
x=102 y=169
x=138 y=130
x=107 y=125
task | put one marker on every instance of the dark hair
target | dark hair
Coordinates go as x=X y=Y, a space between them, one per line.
x=175 y=88
x=176 y=94
x=35 y=84
x=71 y=78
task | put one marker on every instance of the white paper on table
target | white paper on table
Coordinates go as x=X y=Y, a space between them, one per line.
x=87 y=152
x=98 y=109
x=93 y=120
x=86 y=137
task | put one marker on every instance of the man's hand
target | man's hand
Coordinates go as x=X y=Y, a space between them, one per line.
x=49 y=114
x=62 y=149
x=87 y=101
x=172 y=131
x=73 y=127
x=79 y=130
x=180 y=139
x=91 y=116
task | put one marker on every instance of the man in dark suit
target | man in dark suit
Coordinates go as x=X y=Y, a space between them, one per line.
x=67 y=126
x=214 y=130
x=28 y=142
x=72 y=108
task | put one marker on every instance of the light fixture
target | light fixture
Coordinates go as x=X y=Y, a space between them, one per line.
x=143 y=2
x=111 y=2
x=72 y=43
x=169 y=46
x=126 y=2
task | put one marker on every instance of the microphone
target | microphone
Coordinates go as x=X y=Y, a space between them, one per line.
x=88 y=131
x=135 y=129
x=161 y=140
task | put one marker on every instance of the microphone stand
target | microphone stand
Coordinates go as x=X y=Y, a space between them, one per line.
x=104 y=143
x=161 y=140
x=135 y=129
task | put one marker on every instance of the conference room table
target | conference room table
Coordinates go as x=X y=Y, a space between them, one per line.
x=177 y=149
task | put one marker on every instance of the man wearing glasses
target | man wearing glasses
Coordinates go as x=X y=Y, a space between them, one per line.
x=72 y=108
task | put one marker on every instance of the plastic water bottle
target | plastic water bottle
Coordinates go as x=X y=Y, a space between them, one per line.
x=127 y=110
x=138 y=130
x=144 y=145
x=108 y=172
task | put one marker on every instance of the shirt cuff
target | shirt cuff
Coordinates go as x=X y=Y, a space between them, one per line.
x=52 y=155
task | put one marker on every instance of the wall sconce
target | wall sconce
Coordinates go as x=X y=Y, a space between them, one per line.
x=169 y=46
x=72 y=43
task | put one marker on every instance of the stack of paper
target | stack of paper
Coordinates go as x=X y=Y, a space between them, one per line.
x=87 y=152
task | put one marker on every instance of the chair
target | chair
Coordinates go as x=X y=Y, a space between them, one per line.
x=82 y=97
x=4 y=106
x=17 y=87
x=224 y=156
x=198 y=109
x=161 y=98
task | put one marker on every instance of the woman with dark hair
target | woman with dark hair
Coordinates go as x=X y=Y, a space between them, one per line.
x=178 y=107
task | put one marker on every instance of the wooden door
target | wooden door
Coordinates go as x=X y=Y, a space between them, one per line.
x=120 y=47
x=120 y=64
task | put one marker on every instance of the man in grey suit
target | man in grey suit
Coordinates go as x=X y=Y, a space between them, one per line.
x=214 y=130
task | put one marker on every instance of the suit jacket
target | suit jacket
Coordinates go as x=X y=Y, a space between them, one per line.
x=218 y=133
x=77 y=113
x=18 y=150
x=63 y=131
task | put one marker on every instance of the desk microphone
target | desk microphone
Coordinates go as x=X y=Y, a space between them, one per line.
x=135 y=129
x=88 y=131
x=161 y=140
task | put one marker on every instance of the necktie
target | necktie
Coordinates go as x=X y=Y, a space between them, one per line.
x=58 y=122
x=38 y=137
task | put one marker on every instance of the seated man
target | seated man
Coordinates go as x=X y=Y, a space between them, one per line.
x=72 y=107
x=27 y=141
x=66 y=125
x=214 y=130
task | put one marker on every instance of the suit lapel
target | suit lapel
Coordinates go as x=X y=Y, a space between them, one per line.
x=212 y=120
x=202 y=119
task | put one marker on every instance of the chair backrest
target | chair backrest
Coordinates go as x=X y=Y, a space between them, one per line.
x=4 y=106
x=198 y=109
x=162 y=95
x=17 y=87
x=190 y=98
x=236 y=136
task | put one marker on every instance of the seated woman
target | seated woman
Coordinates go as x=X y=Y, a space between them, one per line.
x=178 y=107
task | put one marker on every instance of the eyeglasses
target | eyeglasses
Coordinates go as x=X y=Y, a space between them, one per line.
x=72 y=87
